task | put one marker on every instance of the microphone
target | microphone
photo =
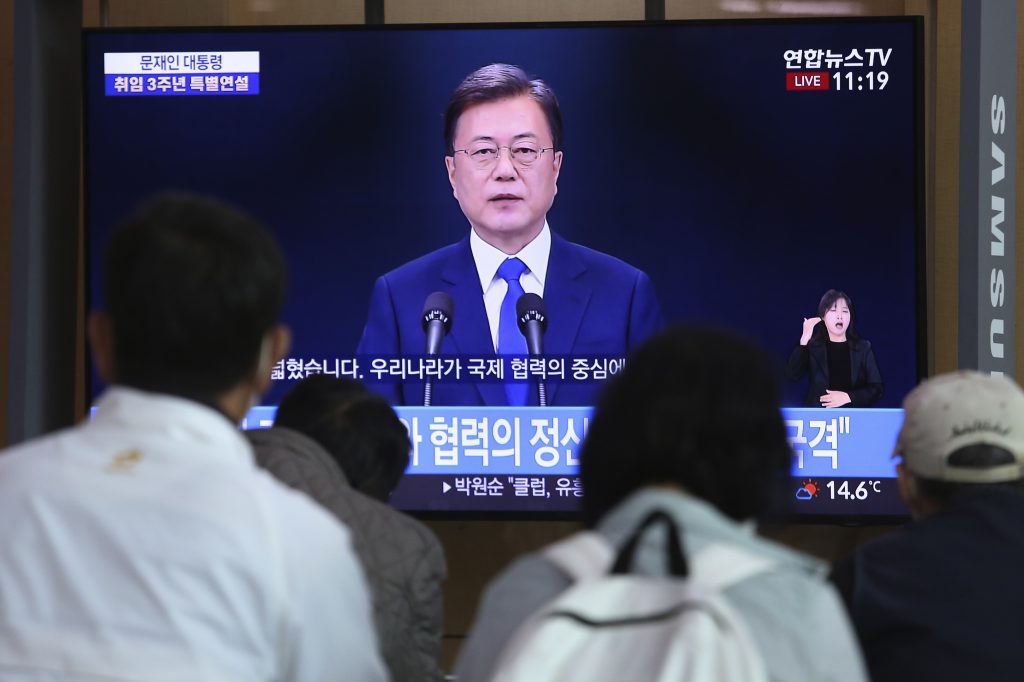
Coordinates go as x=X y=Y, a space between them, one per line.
x=532 y=316
x=533 y=321
x=437 y=321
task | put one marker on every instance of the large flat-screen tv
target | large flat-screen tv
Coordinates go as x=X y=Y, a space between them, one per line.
x=746 y=167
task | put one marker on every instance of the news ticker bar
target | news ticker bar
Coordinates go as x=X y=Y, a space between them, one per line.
x=490 y=493
x=544 y=493
x=827 y=443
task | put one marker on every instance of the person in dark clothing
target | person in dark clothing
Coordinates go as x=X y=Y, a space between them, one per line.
x=840 y=364
x=347 y=449
x=939 y=598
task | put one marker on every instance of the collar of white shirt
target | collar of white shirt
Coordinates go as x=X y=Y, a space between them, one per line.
x=534 y=255
x=173 y=419
x=487 y=258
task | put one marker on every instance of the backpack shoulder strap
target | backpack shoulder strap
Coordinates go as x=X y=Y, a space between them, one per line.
x=587 y=554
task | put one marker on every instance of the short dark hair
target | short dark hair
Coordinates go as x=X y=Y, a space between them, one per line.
x=192 y=287
x=357 y=428
x=978 y=456
x=696 y=408
x=497 y=82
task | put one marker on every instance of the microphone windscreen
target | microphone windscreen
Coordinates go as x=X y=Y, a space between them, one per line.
x=531 y=307
x=438 y=306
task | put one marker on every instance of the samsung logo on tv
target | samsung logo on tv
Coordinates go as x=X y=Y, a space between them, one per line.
x=997 y=243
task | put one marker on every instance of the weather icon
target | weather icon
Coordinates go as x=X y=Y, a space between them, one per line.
x=807 y=491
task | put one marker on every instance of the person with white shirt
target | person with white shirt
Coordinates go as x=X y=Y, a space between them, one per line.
x=503 y=133
x=145 y=544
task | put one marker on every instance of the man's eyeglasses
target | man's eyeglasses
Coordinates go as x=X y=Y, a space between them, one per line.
x=485 y=156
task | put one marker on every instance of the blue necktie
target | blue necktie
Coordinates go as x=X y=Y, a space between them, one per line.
x=510 y=340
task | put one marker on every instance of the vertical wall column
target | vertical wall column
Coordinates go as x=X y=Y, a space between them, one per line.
x=44 y=217
x=988 y=163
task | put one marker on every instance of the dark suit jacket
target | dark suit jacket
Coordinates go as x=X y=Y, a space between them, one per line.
x=938 y=599
x=596 y=305
x=402 y=559
x=812 y=359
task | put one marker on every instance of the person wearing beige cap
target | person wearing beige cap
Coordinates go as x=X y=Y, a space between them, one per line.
x=939 y=599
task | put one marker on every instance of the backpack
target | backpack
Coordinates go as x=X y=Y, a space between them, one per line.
x=617 y=627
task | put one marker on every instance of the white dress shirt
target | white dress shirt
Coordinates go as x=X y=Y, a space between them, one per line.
x=146 y=545
x=488 y=258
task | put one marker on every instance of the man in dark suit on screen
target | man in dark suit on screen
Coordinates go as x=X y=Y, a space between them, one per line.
x=503 y=134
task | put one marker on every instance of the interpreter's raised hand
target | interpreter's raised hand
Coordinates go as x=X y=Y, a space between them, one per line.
x=809 y=323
